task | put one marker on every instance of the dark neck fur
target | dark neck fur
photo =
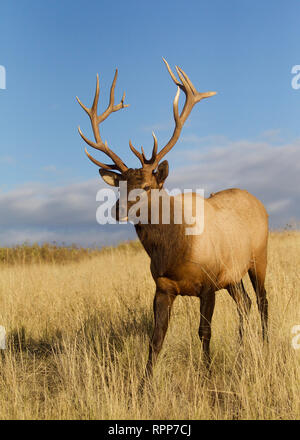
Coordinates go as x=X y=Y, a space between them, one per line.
x=165 y=245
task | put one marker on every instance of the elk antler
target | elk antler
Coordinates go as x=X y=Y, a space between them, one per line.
x=192 y=97
x=96 y=121
x=142 y=157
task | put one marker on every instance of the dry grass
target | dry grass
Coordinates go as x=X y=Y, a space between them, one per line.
x=52 y=253
x=78 y=341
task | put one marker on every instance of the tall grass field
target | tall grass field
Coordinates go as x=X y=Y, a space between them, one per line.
x=78 y=324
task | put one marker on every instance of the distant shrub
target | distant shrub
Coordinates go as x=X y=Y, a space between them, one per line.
x=53 y=253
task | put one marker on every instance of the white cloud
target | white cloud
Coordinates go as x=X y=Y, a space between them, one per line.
x=35 y=212
x=271 y=172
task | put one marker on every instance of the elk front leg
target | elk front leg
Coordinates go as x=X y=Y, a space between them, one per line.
x=162 y=306
x=207 y=305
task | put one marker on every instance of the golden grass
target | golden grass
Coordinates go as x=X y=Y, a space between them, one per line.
x=52 y=253
x=78 y=341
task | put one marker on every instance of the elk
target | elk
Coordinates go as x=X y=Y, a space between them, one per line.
x=233 y=242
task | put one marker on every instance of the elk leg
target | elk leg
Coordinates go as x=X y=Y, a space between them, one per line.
x=238 y=293
x=207 y=305
x=162 y=306
x=257 y=277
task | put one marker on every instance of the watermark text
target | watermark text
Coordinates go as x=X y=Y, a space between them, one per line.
x=157 y=206
x=2 y=338
x=296 y=79
x=2 y=78
x=296 y=338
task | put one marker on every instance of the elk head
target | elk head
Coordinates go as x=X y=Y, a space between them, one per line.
x=153 y=172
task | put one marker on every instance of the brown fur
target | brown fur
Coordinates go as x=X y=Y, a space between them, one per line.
x=233 y=242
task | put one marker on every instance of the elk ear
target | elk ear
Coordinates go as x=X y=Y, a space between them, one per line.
x=162 y=172
x=110 y=177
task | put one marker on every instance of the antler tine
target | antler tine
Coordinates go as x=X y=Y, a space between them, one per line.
x=175 y=108
x=172 y=74
x=119 y=164
x=192 y=97
x=180 y=71
x=96 y=120
x=137 y=153
x=154 y=150
x=100 y=164
x=92 y=112
x=142 y=156
x=111 y=106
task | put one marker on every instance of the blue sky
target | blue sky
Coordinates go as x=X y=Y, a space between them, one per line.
x=52 y=51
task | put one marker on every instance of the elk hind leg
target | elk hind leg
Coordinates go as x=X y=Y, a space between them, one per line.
x=257 y=276
x=238 y=293
x=207 y=305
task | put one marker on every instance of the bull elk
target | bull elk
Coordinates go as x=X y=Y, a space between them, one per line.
x=233 y=242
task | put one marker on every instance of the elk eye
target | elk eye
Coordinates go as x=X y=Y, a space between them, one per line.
x=147 y=187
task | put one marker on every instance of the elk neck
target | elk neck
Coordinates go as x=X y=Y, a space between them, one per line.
x=166 y=244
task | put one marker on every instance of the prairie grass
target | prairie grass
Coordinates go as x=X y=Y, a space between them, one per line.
x=78 y=332
x=53 y=253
